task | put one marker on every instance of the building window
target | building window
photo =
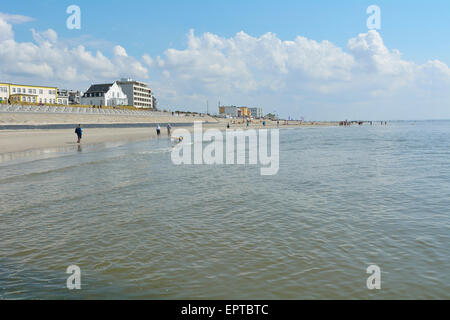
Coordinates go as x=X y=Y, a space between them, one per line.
x=41 y=91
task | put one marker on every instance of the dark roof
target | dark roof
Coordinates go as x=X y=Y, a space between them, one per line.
x=99 y=88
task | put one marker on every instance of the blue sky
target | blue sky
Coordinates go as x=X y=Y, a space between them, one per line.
x=418 y=29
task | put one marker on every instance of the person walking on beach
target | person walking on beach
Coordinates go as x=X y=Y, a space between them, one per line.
x=168 y=129
x=158 y=130
x=79 y=132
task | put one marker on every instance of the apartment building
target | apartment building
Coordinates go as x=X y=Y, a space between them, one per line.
x=75 y=97
x=244 y=112
x=17 y=93
x=63 y=97
x=138 y=93
x=4 y=92
x=256 y=113
x=231 y=111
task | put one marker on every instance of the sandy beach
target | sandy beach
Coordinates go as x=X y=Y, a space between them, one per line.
x=21 y=142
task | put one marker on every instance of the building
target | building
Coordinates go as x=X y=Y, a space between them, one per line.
x=20 y=93
x=4 y=92
x=138 y=93
x=75 y=97
x=63 y=97
x=244 y=112
x=256 y=113
x=231 y=111
x=154 y=103
x=109 y=94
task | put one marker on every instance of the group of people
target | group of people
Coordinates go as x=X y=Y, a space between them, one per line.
x=158 y=130
x=349 y=123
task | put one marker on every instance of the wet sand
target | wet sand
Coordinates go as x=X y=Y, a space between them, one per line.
x=23 y=140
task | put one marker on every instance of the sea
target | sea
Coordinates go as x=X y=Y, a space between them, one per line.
x=137 y=226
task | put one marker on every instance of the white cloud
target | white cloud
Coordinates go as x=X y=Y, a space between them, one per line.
x=302 y=76
x=299 y=77
x=120 y=51
x=147 y=60
x=47 y=36
x=15 y=18
x=50 y=61
x=6 y=32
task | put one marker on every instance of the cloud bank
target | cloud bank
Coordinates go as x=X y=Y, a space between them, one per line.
x=301 y=77
x=54 y=62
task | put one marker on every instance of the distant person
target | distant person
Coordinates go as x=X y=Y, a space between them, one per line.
x=79 y=132
x=169 y=128
x=158 y=130
x=228 y=125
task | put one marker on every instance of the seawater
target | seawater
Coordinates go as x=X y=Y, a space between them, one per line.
x=140 y=227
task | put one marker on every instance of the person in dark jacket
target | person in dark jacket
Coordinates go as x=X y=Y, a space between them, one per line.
x=79 y=132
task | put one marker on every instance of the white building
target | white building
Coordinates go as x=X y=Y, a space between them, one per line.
x=138 y=93
x=257 y=113
x=110 y=94
x=18 y=93
x=63 y=97
x=4 y=92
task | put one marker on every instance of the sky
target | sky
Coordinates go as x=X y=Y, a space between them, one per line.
x=315 y=60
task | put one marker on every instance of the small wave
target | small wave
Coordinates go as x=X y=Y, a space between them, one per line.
x=165 y=150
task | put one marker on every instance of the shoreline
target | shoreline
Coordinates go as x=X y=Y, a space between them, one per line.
x=30 y=141
x=38 y=137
